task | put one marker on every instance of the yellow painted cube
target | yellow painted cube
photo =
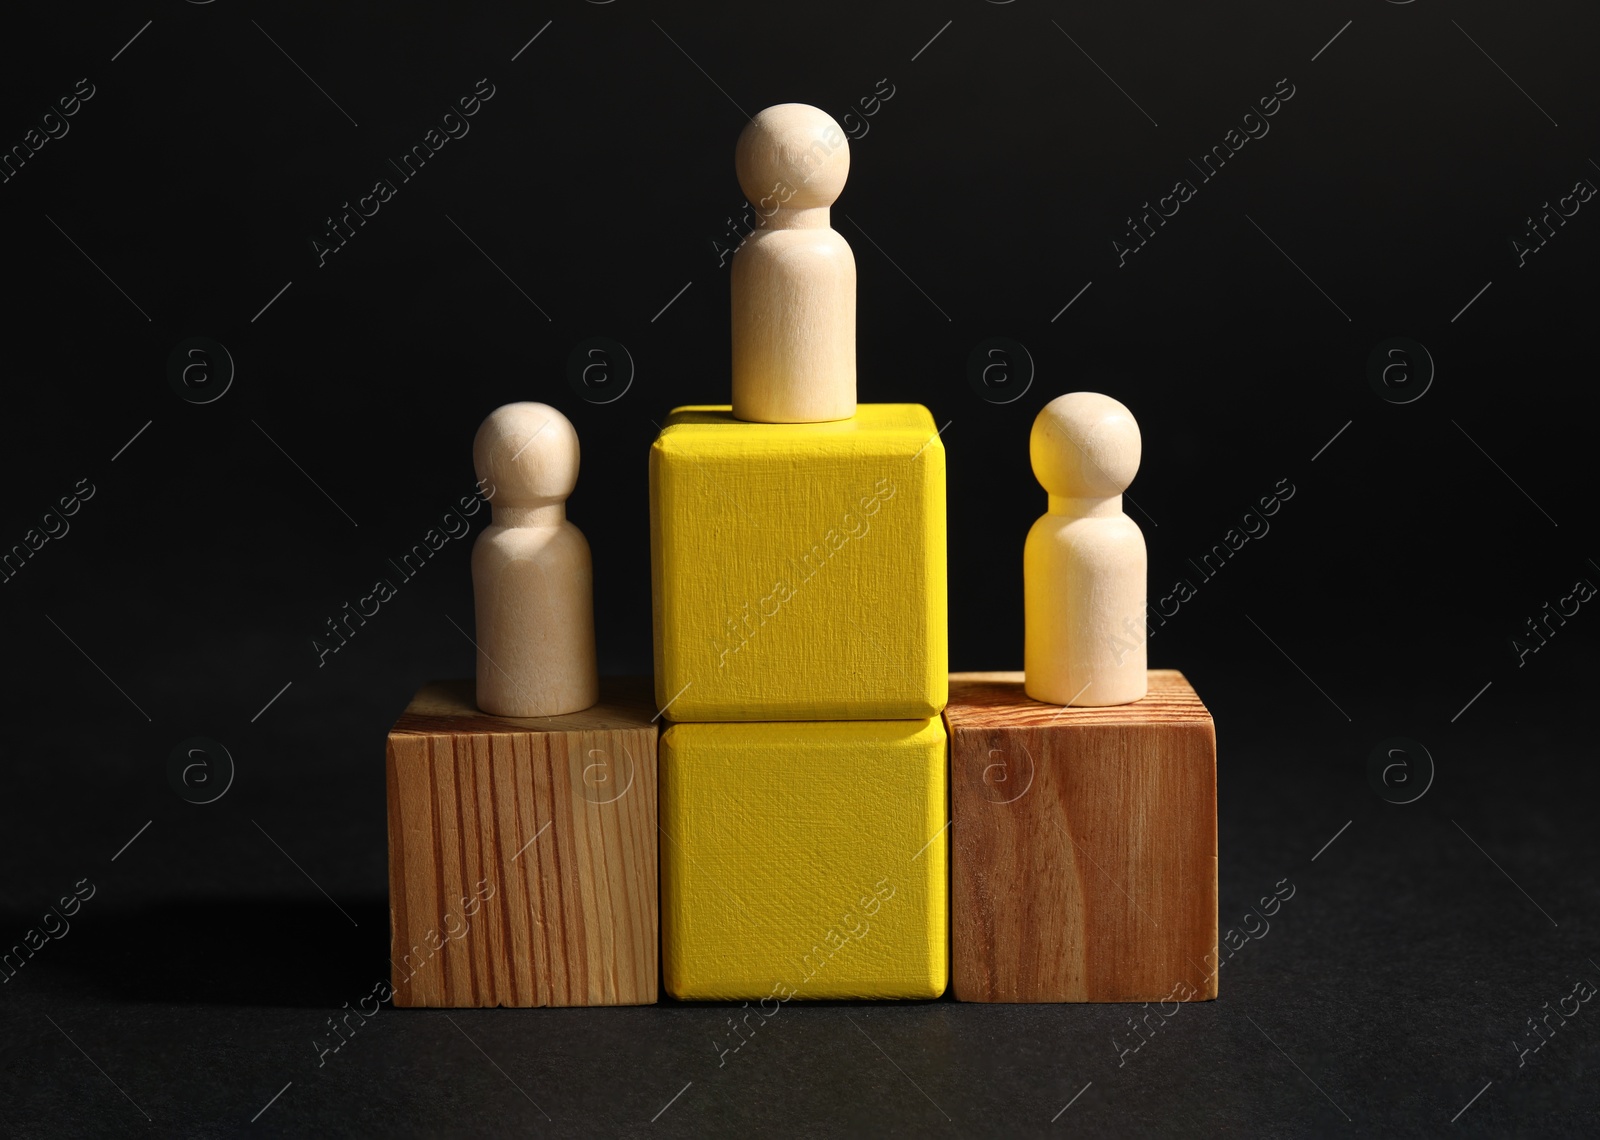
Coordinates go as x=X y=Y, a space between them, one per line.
x=799 y=569
x=804 y=860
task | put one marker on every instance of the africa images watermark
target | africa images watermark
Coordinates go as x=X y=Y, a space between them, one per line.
x=811 y=963
x=454 y=525
x=51 y=928
x=1540 y=230
x=52 y=525
x=1182 y=992
x=739 y=232
x=737 y=631
x=1255 y=126
x=1533 y=637
x=1582 y=991
x=1252 y=525
x=339 y=229
x=1568 y=1006
x=52 y=124
x=383 y=989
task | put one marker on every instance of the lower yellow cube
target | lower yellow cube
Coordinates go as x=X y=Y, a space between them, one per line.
x=804 y=860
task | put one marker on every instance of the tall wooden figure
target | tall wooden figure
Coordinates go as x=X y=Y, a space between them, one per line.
x=532 y=579
x=1084 y=562
x=794 y=279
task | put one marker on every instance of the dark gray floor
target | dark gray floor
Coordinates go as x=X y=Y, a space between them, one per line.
x=1387 y=993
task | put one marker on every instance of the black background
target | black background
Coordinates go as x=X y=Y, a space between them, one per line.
x=218 y=542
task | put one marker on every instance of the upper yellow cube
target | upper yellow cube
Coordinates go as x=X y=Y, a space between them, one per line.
x=799 y=569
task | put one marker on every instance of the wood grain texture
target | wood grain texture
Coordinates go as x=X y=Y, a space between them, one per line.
x=1083 y=845
x=522 y=852
x=804 y=860
x=799 y=569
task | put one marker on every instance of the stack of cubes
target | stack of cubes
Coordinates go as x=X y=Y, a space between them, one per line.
x=801 y=659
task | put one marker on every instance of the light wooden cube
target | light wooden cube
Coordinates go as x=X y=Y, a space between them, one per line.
x=1084 y=857
x=799 y=569
x=522 y=852
x=804 y=860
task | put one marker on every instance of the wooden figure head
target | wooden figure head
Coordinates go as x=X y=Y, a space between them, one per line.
x=1084 y=446
x=796 y=149
x=528 y=453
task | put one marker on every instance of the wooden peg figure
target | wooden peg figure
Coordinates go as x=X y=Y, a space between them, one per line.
x=532 y=580
x=1084 y=562
x=794 y=279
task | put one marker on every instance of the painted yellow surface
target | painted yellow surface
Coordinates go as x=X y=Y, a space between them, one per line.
x=804 y=860
x=799 y=569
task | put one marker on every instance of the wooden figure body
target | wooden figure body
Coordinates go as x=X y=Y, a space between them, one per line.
x=532 y=580
x=793 y=281
x=1084 y=562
